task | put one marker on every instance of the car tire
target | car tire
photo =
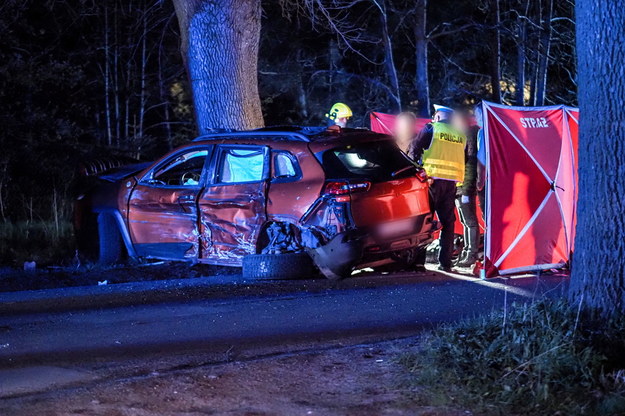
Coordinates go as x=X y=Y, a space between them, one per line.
x=111 y=248
x=278 y=266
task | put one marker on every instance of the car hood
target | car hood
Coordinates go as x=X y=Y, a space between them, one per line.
x=122 y=172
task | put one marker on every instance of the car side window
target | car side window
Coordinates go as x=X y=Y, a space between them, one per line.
x=284 y=166
x=240 y=165
x=183 y=170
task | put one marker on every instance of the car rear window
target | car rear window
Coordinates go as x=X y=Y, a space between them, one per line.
x=375 y=161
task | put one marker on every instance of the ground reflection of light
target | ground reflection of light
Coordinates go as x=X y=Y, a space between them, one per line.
x=494 y=285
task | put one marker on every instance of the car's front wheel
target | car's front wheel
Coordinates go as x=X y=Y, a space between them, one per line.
x=277 y=266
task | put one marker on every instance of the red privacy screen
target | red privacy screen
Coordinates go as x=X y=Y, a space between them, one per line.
x=383 y=123
x=531 y=187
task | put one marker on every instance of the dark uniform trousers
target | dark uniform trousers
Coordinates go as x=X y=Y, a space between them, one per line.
x=443 y=201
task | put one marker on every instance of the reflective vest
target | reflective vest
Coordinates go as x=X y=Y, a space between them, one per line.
x=444 y=159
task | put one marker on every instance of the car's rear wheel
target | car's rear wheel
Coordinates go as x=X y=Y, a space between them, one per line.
x=111 y=250
x=278 y=266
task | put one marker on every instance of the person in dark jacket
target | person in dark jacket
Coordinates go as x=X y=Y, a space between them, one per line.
x=404 y=133
x=466 y=192
x=439 y=147
x=404 y=130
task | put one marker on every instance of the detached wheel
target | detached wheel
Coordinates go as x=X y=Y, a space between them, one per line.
x=277 y=266
x=111 y=244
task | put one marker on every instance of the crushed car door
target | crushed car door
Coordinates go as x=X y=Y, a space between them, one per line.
x=162 y=209
x=232 y=206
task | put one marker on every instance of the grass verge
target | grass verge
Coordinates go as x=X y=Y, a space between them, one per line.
x=540 y=359
x=40 y=241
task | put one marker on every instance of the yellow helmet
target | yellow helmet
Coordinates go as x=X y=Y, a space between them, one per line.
x=339 y=110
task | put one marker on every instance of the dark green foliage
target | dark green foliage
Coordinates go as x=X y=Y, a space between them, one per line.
x=536 y=359
x=53 y=114
x=44 y=242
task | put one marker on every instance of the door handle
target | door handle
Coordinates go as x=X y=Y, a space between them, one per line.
x=183 y=198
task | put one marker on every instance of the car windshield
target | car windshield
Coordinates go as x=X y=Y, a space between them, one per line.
x=376 y=161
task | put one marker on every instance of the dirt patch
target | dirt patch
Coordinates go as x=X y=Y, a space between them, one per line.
x=359 y=380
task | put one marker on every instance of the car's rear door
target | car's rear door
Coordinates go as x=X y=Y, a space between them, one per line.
x=162 y=208
x=232 y=207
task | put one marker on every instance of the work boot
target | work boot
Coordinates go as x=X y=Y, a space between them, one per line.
x=420 y=269
x=446 y=269
x=463 y=254
x=468 y=261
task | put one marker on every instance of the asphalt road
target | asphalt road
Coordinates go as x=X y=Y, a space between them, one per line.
x=395 y=305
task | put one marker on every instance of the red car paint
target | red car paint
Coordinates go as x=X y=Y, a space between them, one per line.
x=205 y=215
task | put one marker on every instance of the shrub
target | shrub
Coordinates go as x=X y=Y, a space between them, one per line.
x=541 y=358
x=42 y=241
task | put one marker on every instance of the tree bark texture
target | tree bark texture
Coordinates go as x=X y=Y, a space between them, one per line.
x=219 y=44
x=389 y=62
x=521 y=55
x=598 y=275
x=520 y=81
x=544 y=46
x=422 y=85
x=495 y=64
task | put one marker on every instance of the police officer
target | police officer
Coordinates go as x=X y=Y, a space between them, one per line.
x=339 y=115
x=440 y=149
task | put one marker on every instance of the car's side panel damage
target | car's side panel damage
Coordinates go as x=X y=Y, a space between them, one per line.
x=231 y=219
x=269 y=195
x=163 y=222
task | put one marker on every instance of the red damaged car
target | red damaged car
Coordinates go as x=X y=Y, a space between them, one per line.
x=271 y=200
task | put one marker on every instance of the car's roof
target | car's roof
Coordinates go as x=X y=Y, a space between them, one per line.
x=295 y=134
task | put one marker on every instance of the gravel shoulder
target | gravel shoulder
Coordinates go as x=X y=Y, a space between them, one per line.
x=356 y=380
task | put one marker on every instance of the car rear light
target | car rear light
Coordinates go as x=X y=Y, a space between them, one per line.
x=341 y=190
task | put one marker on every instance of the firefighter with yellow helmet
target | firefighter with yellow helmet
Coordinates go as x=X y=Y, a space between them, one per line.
x=339 y=114
x=440 y=148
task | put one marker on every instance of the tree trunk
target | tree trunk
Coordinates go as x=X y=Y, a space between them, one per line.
x=598 y=277
x=544 y=45
x=219 y=43
x=521 y=56
x=422 y=85
x=520 y=78
x=335 y=68
x=389 y=62
x=143 y=93
x=302 y=96
x=116 y=89
x=107 y=79
x=532 y=72
x=495 y=64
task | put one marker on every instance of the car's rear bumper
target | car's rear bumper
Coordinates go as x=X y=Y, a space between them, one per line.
x=359 y=247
